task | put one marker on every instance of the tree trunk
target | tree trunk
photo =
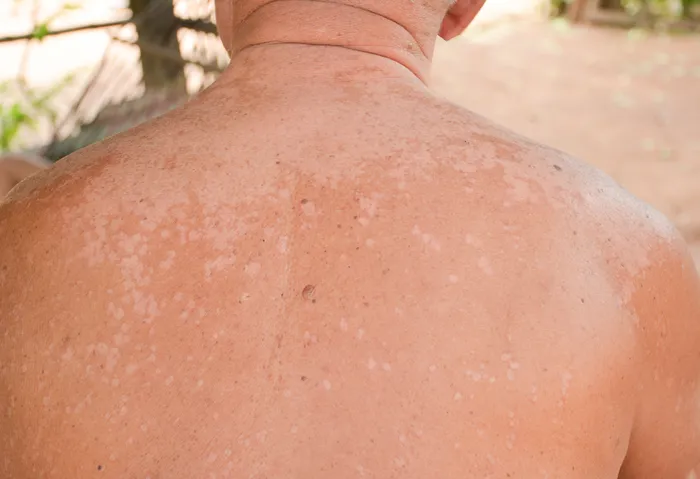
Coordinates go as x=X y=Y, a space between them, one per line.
x=611 y=5
x=577 y=11
x=156 y=24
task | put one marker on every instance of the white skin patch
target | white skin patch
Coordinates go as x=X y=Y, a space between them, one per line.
x=167 y=263
x=310 y=338
x=120 y=339
x=343 y=324
x=68 y=355
x=282 y=244
x=371 y=364
x=327 y=385
x=284 y=193
x=252 y=269
x=308 y=208
x=360 y=333
x=511 y=441
x=218 y=264
x=457 y=397
x=428 y=239
x=565 y=383
x=115 y=311
x=473 y=241
x=386 y=367
x=485 y=265
x=453 y=278
x=369 y=205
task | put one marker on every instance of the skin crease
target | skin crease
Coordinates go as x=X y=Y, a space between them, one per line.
x=318 y=269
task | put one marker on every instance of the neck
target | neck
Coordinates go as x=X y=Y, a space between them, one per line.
x=333 y=35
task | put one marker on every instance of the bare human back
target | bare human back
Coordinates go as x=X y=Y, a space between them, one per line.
x=318 y=269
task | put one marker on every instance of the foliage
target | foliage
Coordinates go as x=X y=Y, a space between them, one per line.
x=30 y=106
x=659 y=8
x=27 y=111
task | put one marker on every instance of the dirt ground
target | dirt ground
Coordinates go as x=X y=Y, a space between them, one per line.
x=625 y=102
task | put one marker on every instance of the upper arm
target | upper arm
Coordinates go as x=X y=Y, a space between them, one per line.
x=665 y=441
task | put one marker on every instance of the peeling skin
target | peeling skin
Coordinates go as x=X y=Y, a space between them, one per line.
x=325 y=265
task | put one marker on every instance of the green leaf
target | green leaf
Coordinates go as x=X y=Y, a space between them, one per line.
x=72 y=6
x=40 y=31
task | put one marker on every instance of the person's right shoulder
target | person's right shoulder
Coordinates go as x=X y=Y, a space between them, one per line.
x=659 y=286
x=657 y=280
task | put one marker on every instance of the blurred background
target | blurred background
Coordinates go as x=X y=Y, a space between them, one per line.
x=614 y=82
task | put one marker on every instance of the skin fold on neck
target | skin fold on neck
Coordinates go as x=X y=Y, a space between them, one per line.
x=332 y=26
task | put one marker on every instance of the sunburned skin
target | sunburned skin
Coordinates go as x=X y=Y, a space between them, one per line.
x=16 y=167
x=318 y=269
